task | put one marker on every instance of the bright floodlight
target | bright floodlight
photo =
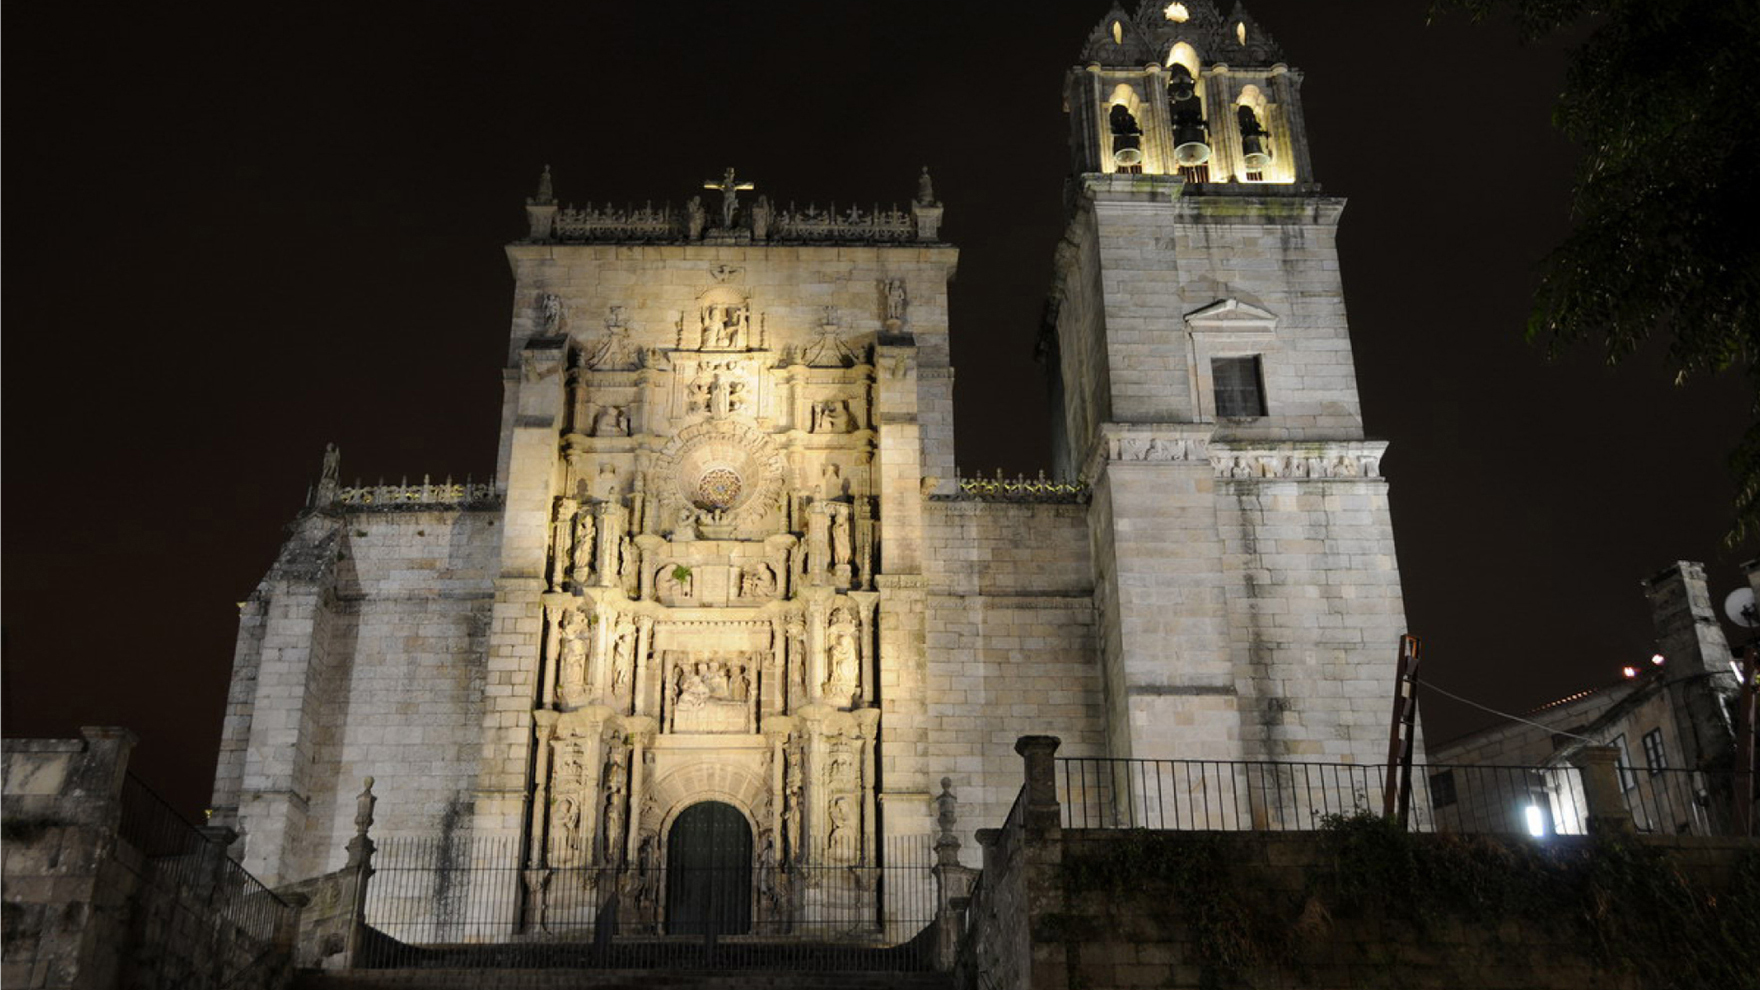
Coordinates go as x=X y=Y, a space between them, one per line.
x=1629 y=671
x=1657 y=659
x=1536 y=821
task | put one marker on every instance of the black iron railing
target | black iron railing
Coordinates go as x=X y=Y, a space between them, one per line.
x=190 y=885
x=1276 y=796
x=480 y=903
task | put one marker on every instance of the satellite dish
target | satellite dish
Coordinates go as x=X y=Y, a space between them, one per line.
x=1739 y=606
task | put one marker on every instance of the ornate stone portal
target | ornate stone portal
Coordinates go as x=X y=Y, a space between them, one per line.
x=710 y=618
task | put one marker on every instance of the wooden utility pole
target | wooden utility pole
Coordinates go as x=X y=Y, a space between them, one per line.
x=1396 y=792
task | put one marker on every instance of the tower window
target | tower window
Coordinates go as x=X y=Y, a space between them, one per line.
x=1117 y=32
x=1176 y=12
x=1240 y=31
x=1240 y=391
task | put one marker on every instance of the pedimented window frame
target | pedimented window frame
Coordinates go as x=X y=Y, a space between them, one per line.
x=1228 y=328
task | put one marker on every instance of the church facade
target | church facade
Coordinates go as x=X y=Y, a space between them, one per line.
x=728 y=562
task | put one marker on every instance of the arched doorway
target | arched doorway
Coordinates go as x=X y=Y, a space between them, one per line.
x=709 y=871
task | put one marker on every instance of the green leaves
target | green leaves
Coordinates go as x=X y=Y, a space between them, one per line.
x=1663 y=97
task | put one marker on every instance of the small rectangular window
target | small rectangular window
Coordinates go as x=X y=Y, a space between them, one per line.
x=1240 y=392
x=1442 y=789
x=1627 y=779
x=1653 y=754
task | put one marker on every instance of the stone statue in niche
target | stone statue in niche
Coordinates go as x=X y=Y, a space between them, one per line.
x=757 y=581
x=571 y=668
x=840 y=541
x=831 y=416
x=607 y=486
x=630 y=566
x=552 y=315
x=581 y=573
x=566 y=826
x=616 y=781
x=725 y=326
x=896 y=303
x=842 y=662
x=611 y=421
x=623 y=652
x=561 y=542
x=830 y=481
x=840 y=841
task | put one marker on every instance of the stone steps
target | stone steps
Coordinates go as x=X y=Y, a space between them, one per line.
x=617 y=979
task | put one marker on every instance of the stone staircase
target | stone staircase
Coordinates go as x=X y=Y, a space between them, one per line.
x=617 y=979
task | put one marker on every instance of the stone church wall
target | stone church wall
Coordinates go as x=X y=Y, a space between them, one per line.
x=361 y=654
x=1010 y=645
x=1314 y=615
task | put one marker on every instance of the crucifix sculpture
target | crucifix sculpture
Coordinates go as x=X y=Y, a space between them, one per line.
x=730 y=190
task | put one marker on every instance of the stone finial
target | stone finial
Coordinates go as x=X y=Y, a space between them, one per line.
x=546 y=192
x=946 y=806
x=925 y=211
x=363 y=807
x=329 y=485
x=360 y=848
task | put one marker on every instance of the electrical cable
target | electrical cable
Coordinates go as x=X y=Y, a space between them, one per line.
x=1512 y=718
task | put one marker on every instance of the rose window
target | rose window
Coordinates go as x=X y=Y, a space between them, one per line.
x=718 y=489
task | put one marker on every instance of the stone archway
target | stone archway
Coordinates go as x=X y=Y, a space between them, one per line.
x=709 y=871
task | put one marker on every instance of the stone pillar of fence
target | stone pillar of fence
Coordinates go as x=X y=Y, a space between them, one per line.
x=359 y=870
x=953 y=881
x=1607 y=811
x=1042 y=859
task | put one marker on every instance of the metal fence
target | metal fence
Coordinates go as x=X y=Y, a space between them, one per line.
x=1268 y=796
x=480 y=903
x=1668 y=801
x=199 y=907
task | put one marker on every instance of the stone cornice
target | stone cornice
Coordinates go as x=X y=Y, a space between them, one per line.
x=1192 y=443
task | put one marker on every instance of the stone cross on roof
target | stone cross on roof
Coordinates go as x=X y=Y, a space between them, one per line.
x=730 y=190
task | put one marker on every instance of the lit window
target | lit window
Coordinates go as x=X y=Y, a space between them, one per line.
x=1240 y=31
x=1536 y=820
x=1627 y=779
x=1118 y=32
x=1177 y=13
x=1239 y=389
x=1653 y=755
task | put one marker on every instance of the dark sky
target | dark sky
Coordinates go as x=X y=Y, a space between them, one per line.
x=235 y=233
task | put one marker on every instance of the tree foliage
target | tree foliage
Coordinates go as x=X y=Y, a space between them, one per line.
x=1663 y=97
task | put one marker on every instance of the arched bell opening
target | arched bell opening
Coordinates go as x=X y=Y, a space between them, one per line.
x=709 y=871
x=1185 y=105
x=1126 y=131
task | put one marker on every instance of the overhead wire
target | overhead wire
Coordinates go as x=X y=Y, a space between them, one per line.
x=1513 y=718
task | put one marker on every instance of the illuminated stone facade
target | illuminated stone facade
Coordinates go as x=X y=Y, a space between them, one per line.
x=728 y=557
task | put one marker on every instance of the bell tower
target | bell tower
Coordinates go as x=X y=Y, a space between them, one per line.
x=1246 y=585
x=1181 y=90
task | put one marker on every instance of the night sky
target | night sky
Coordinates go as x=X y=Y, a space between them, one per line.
x=233 y=234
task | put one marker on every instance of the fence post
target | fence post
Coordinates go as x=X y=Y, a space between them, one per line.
x=1039 y=753
x=360 y=864
x=953 y=882
x=1607 y=811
